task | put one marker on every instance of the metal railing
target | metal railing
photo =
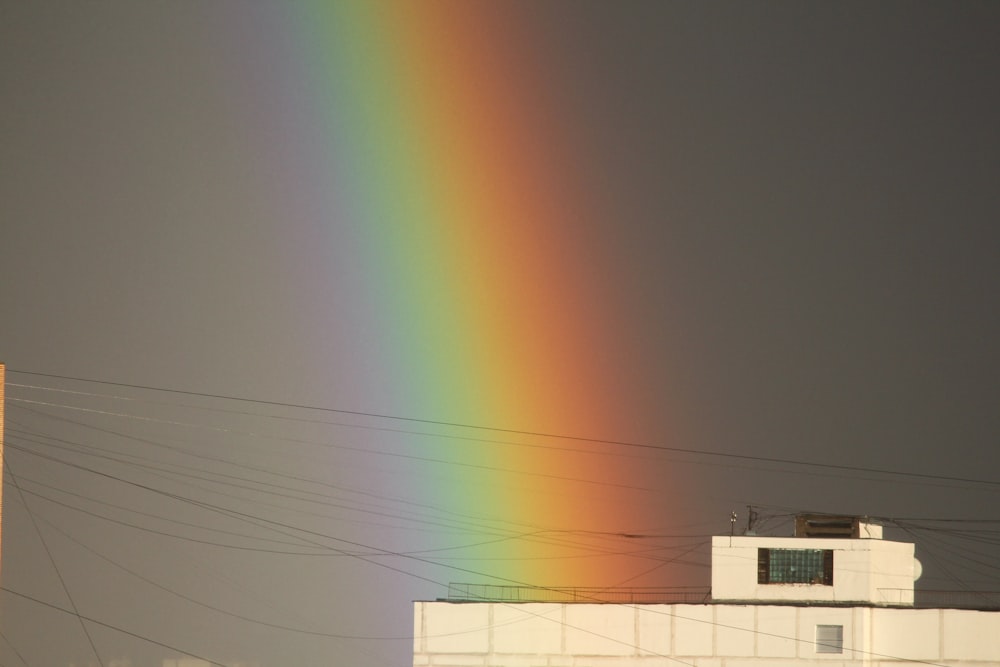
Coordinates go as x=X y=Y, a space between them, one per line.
x=462 y=592
x=459 y=592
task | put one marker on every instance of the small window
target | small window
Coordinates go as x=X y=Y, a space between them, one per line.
x=829 y=639
x=795 y=566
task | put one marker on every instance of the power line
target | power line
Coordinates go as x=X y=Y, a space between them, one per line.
x=55 y=567
x=381 y=552
x=116 y=628
x=529 y=433
x=282 y=527
x=534 y=535
x=413 y=457
x=278 y=525
x=443 y=461
x=205 y=605
x=14 y=649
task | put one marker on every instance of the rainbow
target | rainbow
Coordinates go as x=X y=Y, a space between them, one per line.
x=431 y=144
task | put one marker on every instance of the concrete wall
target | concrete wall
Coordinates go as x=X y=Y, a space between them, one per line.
x=493 y=634
x=869 y=571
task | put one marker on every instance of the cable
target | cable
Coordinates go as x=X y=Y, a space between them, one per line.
x=397 y=553
x=412 y=574
x=387 y=552
x=478 y=520
x=14 y=649
x=539 y=434
x=205 y=605
x=212 y=458
x=532 y=535
x=324 y=552
x=55 y=567
x=281 y=527
x=109 y=626
x=413 y=457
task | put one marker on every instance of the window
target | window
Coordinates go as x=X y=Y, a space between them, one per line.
x=795 y=566
x=829 y=639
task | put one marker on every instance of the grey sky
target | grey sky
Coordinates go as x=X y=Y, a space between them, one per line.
x=800 y=236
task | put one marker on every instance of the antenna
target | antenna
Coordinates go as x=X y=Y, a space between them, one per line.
x=752 y=517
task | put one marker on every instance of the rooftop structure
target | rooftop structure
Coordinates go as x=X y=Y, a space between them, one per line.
x=837 y=591
x=837 y=562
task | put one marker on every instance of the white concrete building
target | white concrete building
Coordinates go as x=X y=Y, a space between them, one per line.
x=840 y=600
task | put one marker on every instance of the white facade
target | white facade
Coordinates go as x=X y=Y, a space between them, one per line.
x=865 y=571
x=834 y=601
x=496 y=634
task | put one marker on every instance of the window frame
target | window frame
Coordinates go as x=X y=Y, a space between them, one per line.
x=765 y=569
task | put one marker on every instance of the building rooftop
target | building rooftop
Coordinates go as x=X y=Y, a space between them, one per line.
x=832 y=560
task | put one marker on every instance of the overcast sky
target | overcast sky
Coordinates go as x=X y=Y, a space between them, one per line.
x=796 y=234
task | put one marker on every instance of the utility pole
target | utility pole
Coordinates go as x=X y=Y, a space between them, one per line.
x=3 y=383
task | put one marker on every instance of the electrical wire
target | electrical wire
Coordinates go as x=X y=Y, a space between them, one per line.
x=477 y=520
x=375 y=552
x=586 y=630
x=14 y=649
x=530 y=536
x=52 y=560
x=537 y=434
x=205 y=605
x=116 y=628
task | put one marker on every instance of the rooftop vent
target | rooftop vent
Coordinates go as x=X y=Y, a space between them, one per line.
x=827 y=525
